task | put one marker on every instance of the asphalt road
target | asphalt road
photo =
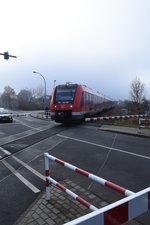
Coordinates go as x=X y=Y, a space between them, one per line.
x=119 y=158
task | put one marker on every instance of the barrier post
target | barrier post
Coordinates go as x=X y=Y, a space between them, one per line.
x=47 y=183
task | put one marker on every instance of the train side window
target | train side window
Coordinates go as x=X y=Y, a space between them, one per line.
x=82 y=99
x=86 y=97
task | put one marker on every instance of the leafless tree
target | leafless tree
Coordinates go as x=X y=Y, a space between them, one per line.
x=37 y=92
x=8 y=97
x=137 y=91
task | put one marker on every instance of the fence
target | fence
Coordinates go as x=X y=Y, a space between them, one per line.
x=82 y=172
x=115 y=117
x=116 y=213
x=119 y=212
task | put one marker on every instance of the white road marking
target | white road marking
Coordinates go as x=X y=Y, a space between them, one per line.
x=30 y=120
x=15 y=137
x=106 y=147
x=26 y=182
x=29 y=168
x=28 y=125
x=24 y=164
x=5 y=151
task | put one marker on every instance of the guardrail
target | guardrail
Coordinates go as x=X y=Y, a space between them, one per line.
x=126 y=209
x=119 y=212
x=91 y=176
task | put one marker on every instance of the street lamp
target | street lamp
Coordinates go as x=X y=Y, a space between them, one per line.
x=44 y=87
x=54 y=83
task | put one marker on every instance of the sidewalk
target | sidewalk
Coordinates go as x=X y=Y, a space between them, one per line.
x=142 y=132
x=62 y=208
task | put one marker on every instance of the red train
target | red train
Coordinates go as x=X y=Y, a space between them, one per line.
x=71 y=102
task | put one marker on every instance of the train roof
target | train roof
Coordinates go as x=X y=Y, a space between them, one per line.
x=85 y=88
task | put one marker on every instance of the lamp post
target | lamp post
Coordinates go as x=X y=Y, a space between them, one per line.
x=44 y=87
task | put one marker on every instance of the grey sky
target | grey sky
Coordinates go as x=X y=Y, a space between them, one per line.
x=101 y=43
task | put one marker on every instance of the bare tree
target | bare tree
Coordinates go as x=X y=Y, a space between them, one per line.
x=37 y=92
x=8 y=97
x=137 y=91
x=24 y=97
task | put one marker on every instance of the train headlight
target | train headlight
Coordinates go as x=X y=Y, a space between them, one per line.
x=55 y=106
x=71 y=106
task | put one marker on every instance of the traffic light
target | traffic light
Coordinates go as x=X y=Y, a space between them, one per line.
x=6 y=55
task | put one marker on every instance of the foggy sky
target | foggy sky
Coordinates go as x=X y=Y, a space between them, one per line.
x=101 y=43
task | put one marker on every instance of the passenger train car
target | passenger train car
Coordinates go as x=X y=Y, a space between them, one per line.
x=72 y=102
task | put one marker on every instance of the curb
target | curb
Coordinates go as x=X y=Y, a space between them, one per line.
x=126 y=132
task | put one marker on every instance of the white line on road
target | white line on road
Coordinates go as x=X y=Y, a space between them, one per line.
x=103 y=146
x=29 y=168
x=26 y=182
x=5 y=151
x=28 y=125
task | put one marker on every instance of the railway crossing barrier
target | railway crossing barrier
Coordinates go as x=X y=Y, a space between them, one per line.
x=115 y=117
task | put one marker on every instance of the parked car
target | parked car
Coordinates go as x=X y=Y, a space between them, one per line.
x=5 y=116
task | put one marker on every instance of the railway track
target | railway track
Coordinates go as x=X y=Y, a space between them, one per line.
x=26 y=141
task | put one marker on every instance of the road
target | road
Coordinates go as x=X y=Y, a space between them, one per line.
x=119 y=158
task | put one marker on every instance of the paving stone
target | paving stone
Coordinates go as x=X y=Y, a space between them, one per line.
x=49 y=221
x=103 y=204
x=61 y=208
x=40 y=221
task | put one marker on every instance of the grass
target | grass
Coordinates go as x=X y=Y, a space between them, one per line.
x=131 y=122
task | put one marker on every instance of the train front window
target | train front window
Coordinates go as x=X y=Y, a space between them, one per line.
x=65 y=93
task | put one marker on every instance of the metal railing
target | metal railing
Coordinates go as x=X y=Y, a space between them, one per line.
x=91 y=176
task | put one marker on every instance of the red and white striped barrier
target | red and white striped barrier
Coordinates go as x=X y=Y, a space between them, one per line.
x=119 y=212
x=72 y=194
x=115 y=117
x=91 y=176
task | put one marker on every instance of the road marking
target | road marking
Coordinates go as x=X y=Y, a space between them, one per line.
x=29 y=168
x=28 y=125
x=5 y=151
x=26 y=182
x=30 y=120
x=24 y=164
x=16 y=137
x=103 y=146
